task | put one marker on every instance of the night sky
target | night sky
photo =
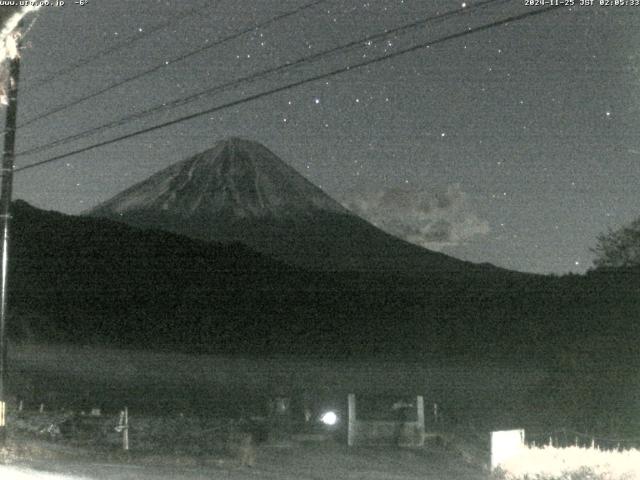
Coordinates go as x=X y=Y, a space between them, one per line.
x=516 y=145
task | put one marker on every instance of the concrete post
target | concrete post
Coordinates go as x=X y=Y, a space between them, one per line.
x=125 y=431
x=351 y=431
x=420 y=419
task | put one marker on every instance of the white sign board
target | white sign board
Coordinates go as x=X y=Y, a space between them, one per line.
x=505 y=445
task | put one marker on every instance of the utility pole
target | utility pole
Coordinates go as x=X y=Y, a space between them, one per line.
x=6 y=184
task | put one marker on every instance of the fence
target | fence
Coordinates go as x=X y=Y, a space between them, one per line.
x=572 y=438
x=173 y=432
x=88 y=428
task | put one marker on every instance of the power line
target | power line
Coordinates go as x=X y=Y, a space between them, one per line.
x=115 y=48
x=257 y=75
x=172 y=61
x=283 y=88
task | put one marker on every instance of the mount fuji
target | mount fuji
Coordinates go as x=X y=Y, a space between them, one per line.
x=239 y=191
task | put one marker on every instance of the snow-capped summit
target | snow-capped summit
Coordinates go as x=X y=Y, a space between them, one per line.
x=236 y=178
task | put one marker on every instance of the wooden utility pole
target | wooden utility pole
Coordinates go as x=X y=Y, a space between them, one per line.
x=6 y=183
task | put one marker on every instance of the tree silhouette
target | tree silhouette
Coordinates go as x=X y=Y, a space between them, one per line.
x=619 y=248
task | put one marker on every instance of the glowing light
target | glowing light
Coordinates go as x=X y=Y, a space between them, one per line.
x=9 y=36
x=8 y=32
x=329 y=418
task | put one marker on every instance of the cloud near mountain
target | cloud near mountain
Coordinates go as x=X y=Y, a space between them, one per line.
x=433 y=220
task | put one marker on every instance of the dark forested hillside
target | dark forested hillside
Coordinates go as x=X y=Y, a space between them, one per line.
x=88 y=280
